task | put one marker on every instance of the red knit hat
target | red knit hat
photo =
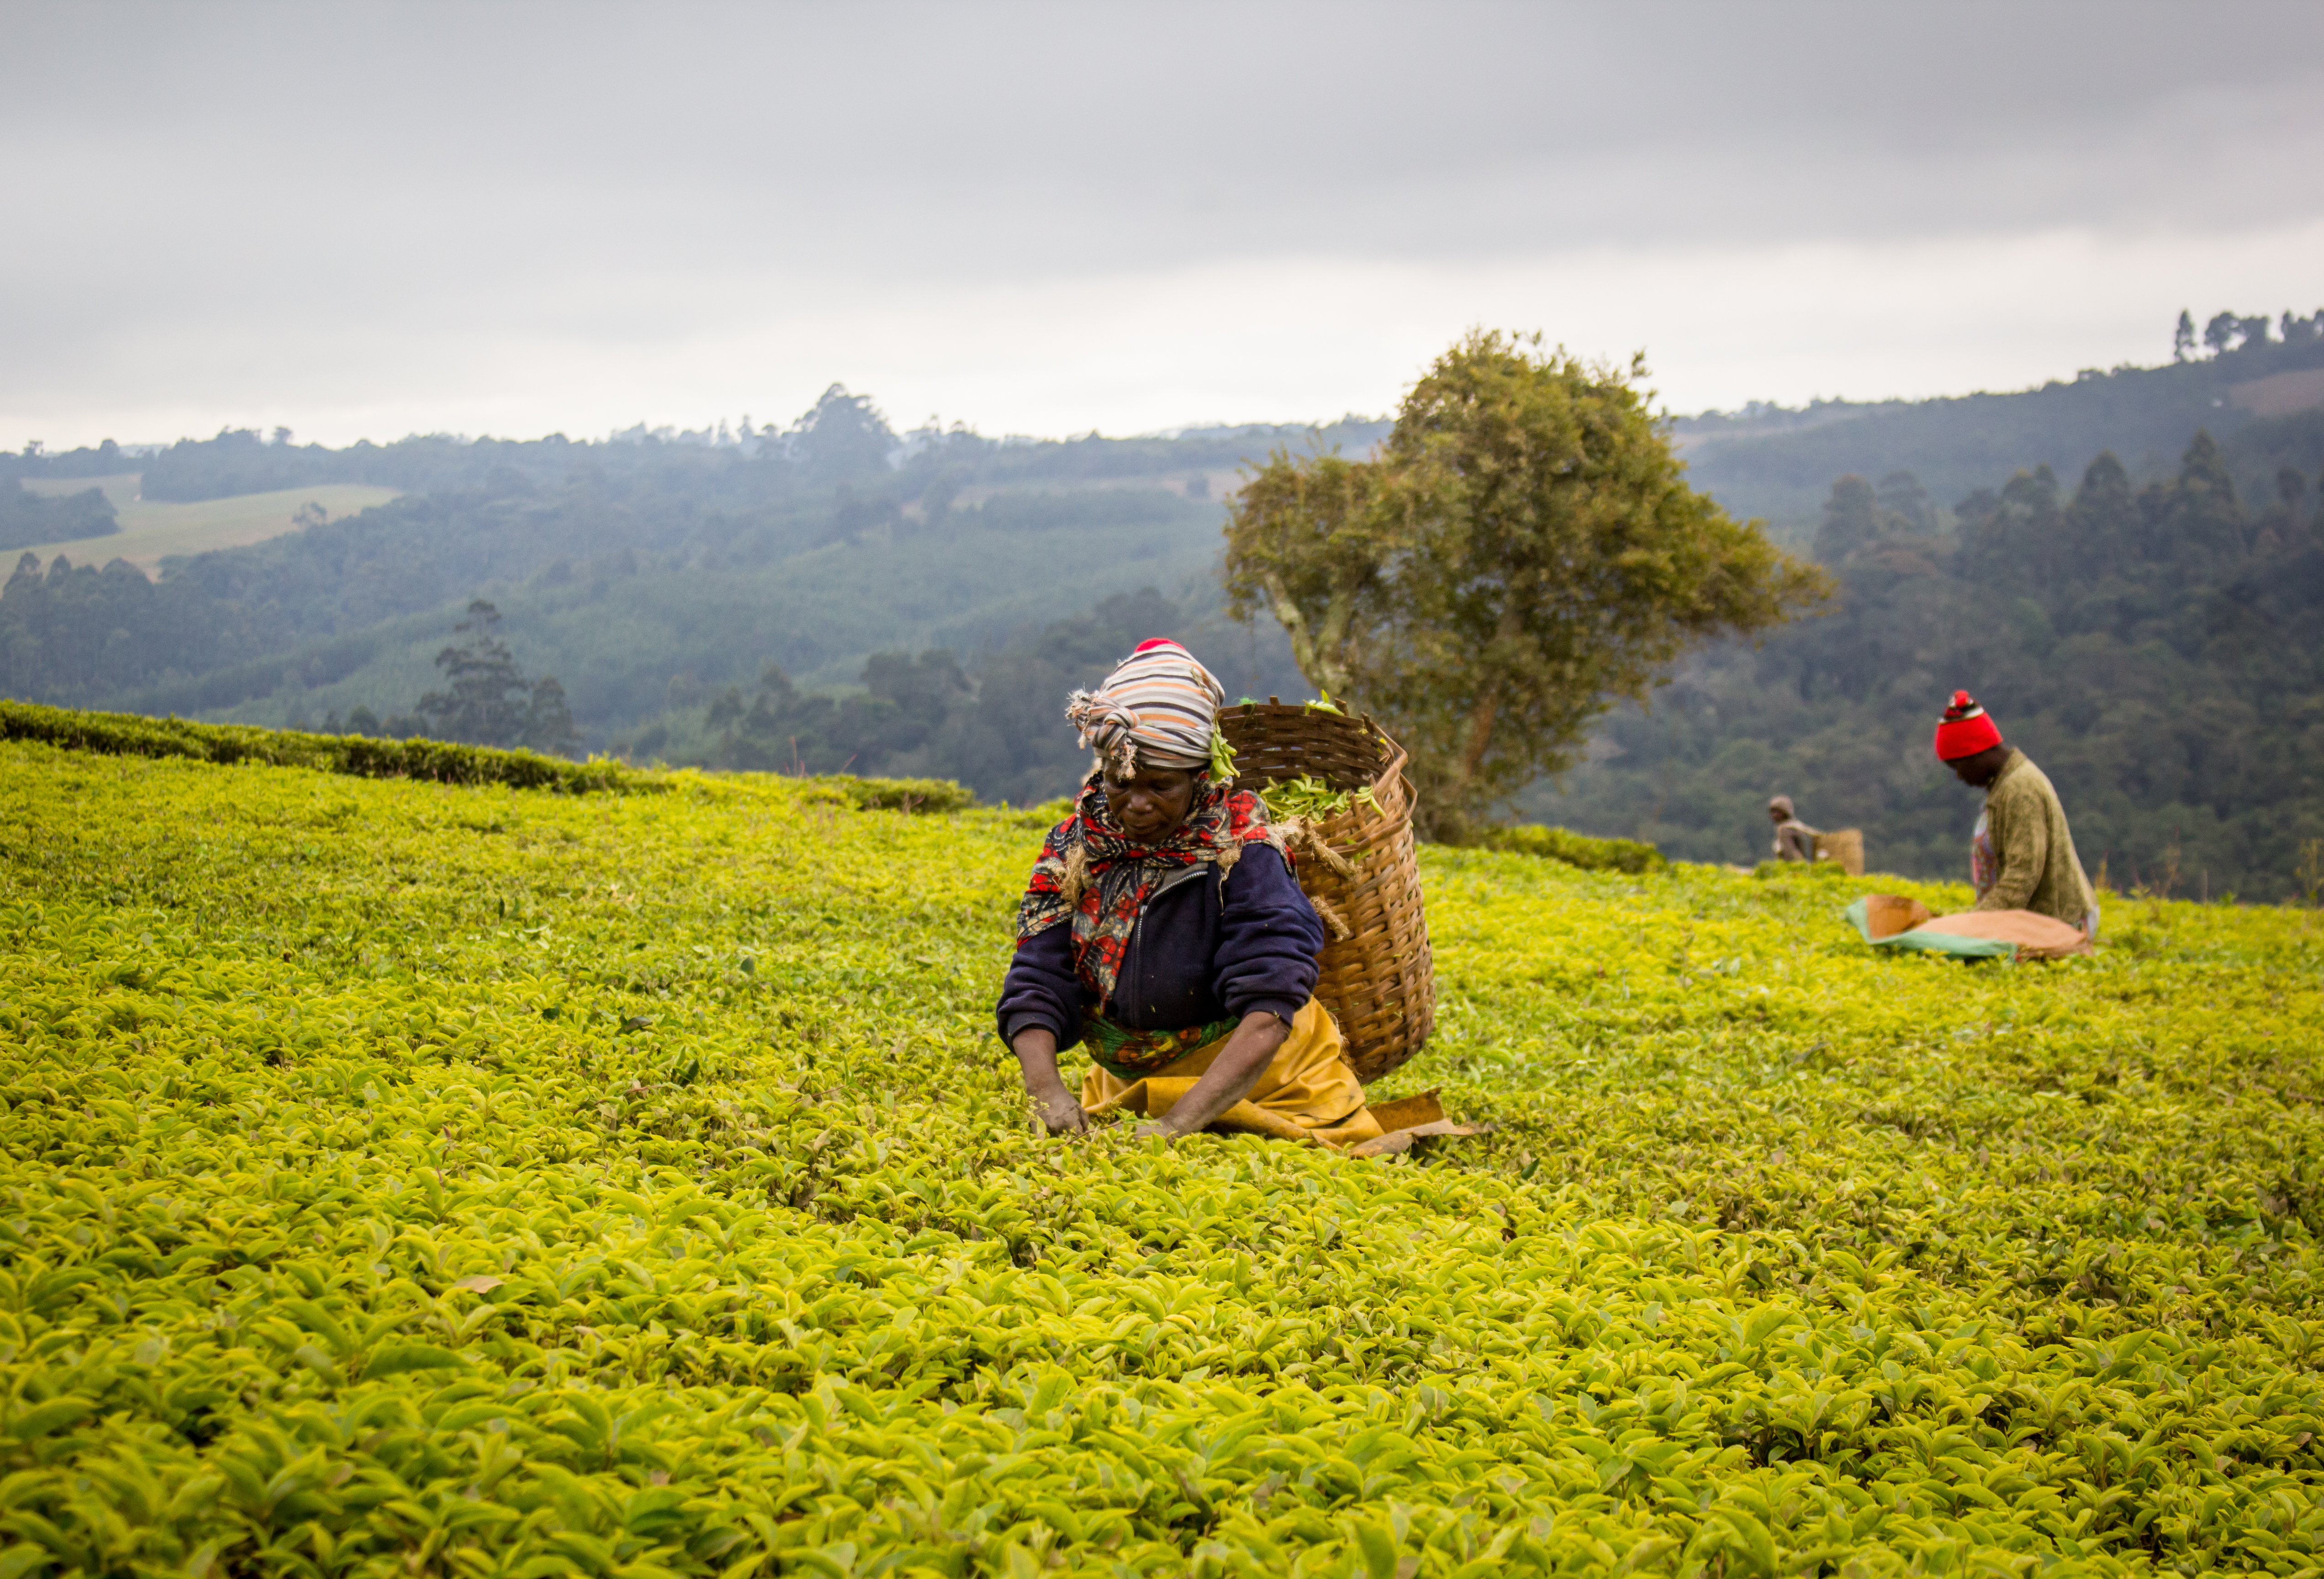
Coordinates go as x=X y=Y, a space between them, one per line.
x=1965 y=729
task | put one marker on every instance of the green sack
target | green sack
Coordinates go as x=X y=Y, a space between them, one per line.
x=1934 y=942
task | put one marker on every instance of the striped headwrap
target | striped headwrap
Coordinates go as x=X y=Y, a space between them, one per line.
x=1159 y=706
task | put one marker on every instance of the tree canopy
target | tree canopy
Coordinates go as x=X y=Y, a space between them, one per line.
x=1523 y=553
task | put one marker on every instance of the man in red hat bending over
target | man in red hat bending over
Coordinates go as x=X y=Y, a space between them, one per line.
x=2021 y=856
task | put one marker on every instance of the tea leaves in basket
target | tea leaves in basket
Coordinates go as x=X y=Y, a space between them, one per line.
x=1313 y=800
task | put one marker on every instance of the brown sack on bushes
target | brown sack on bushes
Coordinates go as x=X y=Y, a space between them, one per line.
x=2037 y=937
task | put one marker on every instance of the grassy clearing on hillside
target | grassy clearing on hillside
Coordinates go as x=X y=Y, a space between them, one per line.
x=152 y=530
x=406 y=1178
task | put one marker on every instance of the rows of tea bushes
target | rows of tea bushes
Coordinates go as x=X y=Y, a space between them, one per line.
x=134 y=735
x=405 y=1179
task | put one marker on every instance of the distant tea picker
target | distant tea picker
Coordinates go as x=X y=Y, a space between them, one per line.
x=1164 y=928
x=1794 y=840
x=2022 y=852
x=2033 y=901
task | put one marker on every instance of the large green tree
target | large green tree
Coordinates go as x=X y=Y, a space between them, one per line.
x=1523 y=552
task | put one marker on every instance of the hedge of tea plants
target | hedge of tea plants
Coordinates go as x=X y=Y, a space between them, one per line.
x=133 y=734
x=407 y=1178
x=444 y=762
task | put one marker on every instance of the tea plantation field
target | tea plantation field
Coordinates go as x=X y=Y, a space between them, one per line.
x=407 y=1179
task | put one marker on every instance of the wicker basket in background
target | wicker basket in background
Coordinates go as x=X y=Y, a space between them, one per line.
x=1376 y=977
x=1845 y=846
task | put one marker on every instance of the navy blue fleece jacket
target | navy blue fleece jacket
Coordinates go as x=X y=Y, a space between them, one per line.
x=1195 y=957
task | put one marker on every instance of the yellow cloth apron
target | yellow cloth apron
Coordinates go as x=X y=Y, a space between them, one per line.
x=1307 y=1093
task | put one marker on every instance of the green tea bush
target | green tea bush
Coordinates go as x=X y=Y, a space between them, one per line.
x=407 y=1178
x=921 y=795
x=1554 y=844
x=1798 y=871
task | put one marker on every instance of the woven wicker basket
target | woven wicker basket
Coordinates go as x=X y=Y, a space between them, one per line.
x=1376 y=977
x=1845 y=846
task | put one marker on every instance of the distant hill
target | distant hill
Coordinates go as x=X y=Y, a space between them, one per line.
x=1778 y=464
x=630 y=634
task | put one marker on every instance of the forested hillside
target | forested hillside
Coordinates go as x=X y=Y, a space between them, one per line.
x=2159 y=651
x=649 y=577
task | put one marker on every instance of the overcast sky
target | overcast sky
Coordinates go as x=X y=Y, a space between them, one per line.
x=365 y=220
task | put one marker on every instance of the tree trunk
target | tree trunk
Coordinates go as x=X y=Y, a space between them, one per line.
x=1480 y=736
x=1318 y=652
x=1487 y=710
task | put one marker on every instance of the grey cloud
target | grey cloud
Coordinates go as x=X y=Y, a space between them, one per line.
x=838 y=132
x=325 y=180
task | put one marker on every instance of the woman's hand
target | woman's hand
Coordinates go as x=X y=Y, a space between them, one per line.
x=1060 y=1110
x=1251 y=1046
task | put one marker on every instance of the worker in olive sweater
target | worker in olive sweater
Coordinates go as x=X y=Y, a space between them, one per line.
x=2022 y=855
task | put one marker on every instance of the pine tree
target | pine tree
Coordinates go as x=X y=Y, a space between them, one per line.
x=548 y=721
x=1851 y=520
x=1905 y=503
x=2101 y=530
x=2202 y=526
x=484 y=699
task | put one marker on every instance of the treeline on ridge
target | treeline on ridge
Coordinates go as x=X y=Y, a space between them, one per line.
x=841 y=438
x=1770 y=461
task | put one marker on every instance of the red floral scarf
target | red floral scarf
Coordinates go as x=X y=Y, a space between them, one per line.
x=1092 y=872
